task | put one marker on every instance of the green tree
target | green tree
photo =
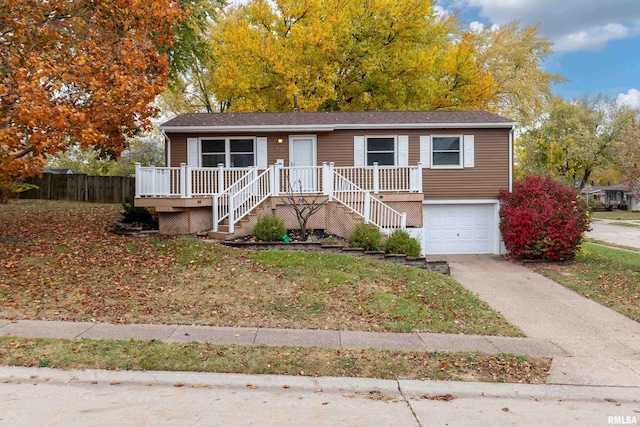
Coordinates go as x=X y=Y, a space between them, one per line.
x=344 y=55
x=514 y=56
x=574 y=138
x=86 y=160
x=190 y=84
x=627 y=158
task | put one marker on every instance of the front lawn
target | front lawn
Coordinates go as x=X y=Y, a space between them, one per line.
x=606 y=275
x=59 y=261
x=617 y=215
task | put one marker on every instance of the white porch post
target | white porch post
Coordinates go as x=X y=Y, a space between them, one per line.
x=138 y=180
x=215 y=212
x=325 y=175
x=367 y=207
x=376 y=178
x=330 y=181
x=275 y=187
x=231 y=214
x=188 y=183
x=416 y=178
x=403 y=223
x=220 y=188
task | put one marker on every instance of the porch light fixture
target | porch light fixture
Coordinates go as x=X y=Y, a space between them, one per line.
x=280 y=140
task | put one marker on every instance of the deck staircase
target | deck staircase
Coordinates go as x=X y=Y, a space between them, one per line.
x=235 y=210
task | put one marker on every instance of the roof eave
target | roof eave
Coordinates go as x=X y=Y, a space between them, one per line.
x=332 y=127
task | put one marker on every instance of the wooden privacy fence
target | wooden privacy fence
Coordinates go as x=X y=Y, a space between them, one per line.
x=85 y=188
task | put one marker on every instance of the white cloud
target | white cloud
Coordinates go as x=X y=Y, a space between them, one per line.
x=571 y=24
x=476 y=26
x=592 y=38
x=631 y=98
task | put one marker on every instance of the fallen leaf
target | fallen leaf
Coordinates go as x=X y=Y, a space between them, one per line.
x=440 y=397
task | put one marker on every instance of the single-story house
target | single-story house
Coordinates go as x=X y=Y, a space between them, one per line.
x=612 y=196
x=436 y=174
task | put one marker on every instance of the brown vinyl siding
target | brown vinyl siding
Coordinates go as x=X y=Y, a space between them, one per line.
x=483 y=181
x=490 y=174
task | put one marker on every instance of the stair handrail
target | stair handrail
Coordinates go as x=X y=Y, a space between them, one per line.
x=249 y=197
x=221 y=210
x=363 y=203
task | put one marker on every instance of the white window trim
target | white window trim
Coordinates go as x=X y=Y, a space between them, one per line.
x=395 y=148
x=460 y=164
x=227 y=148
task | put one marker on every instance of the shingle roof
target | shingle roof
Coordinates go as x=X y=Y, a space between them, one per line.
x=337 y=120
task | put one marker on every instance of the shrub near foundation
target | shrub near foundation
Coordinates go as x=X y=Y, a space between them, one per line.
x=367 y=237
x=400 y=242
x=269 y=228
x=542 y=219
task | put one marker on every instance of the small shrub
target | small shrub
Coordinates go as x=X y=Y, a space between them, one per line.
x=400 y=242
x=367 y=237
x=269 y=228
x=138 y=216
x=542 y=219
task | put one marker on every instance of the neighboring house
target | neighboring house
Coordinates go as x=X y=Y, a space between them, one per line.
x=63 y=171
x=437 y=174
x=612 y=196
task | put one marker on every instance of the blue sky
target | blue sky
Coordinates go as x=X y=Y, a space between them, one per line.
x=596 y=42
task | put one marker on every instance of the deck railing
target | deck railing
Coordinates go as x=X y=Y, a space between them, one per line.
x=237 y=191
x=187 y=182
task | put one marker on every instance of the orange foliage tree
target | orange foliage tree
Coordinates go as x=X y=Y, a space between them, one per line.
x=78 y=72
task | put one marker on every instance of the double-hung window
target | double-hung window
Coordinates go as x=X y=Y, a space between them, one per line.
x=213 y=152
x=446 y=151
x=381 y=149
x=232 y=152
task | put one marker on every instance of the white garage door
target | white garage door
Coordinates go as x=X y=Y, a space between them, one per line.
x=459 y=229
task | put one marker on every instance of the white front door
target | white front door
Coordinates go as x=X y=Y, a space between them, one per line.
x=302 y=159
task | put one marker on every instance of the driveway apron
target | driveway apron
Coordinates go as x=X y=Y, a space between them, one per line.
x=604 y=346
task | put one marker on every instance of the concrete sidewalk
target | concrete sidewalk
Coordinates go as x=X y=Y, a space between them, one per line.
x=417 y=341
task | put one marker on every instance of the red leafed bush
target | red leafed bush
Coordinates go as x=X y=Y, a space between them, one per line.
x=542 y=219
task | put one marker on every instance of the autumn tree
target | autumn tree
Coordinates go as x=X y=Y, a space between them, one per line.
x=78 y=72
x=344 y=55
x=514 y=56
x=573 y=138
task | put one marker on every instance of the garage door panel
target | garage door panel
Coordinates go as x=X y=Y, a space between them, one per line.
x=459 y=228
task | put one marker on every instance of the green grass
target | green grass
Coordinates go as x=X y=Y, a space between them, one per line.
x=617 y=215
x=609 y=276
x=392 y=297
x=625 y=224
x=254 y=359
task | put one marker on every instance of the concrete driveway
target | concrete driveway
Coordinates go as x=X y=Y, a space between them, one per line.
x=602 y=346
x=607 y=231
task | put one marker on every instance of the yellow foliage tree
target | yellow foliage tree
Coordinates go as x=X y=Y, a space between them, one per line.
x=344 y=55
